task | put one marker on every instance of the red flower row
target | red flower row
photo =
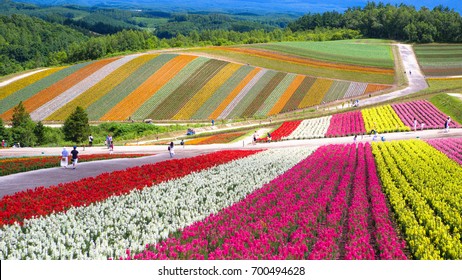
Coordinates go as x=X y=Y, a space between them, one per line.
x=283 y=131
x=16 y=165
x=43 y=201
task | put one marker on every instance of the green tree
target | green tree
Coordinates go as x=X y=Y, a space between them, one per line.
x=39 y=132
x=76 y=127
x=22 y=128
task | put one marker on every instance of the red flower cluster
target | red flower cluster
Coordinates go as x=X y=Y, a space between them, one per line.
x=284 y=130
x=43 y=201
x=16 y=165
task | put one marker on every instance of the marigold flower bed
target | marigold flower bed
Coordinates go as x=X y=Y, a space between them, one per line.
x=43 y=201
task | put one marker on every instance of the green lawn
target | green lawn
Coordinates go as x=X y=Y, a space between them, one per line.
x=450 y=105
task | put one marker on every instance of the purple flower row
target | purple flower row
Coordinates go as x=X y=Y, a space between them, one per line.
x=452 y=147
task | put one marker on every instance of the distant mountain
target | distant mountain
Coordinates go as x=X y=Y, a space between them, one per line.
x=239 y=6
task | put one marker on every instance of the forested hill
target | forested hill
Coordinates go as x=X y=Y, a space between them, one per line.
x=402 y=22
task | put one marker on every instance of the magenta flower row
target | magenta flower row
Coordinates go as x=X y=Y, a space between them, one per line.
x=424 y=112
x=345 y=124
x=452 y=147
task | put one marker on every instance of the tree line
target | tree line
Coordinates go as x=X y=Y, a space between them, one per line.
x=403 y=22
x=27 y=42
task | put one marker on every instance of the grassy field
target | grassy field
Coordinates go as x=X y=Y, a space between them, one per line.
x=440 y=60
x=348 y=52
x=297 y=68
x=450 y=105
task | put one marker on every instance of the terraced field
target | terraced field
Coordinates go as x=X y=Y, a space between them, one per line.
x=172 y=86
x=440 y=60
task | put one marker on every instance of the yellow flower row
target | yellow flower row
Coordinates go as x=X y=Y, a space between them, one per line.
x=315 y=95
x=382 y=119
x=427 y=205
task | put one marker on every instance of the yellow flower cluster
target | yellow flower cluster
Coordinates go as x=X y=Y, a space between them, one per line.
x=423 y=187
x=383 y=119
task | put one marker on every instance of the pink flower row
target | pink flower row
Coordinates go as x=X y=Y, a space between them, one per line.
x=452 y=147
x=345 y=124
x=301 y=214
x=422 y=111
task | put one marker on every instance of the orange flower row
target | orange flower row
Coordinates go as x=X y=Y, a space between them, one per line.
x=374 y=87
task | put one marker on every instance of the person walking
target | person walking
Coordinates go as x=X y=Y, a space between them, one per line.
x=64 y=158
x=422 y=125
x=182 y=143
x=255 y=138
x=446 y=124
x=415 y=124
x=75 y=157
x=171 y=149
x=90 y=140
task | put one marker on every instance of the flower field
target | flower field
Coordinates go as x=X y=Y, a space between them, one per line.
x=382 y=119
x=424 y=112
x=15 y=165
x=346 y=124
x=440 y=60
x=312 y=211
x=222 y=138
x=389 y=200
x=423 y=187
x=142 y=86
x=106 y=229
x=452 y=147
x=284 y=130
x=99 y=90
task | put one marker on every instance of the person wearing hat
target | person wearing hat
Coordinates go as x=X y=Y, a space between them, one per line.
x=75 y=156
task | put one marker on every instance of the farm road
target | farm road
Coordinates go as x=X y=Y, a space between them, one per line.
x=53 y=176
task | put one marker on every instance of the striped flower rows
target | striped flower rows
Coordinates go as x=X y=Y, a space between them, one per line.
x=144 y=216
x=290 y=217
x=423 y=112
x=139 y=86
x=398 y=117
x=452 y=147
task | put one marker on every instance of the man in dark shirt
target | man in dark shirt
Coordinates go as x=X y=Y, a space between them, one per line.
x=75 y=156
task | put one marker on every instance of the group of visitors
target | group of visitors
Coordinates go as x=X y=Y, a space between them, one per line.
x=65 y=157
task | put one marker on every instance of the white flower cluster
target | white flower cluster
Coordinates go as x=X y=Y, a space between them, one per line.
x=106 y=229
x=312 y=128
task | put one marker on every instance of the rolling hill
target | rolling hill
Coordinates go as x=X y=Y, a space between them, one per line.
x=174 y=86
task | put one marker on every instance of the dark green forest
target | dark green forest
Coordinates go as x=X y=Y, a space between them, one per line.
x=32 y=36
x=403 y=23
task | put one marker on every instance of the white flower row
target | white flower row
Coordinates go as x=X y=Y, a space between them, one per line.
x=312 y=128
x=106 y=229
